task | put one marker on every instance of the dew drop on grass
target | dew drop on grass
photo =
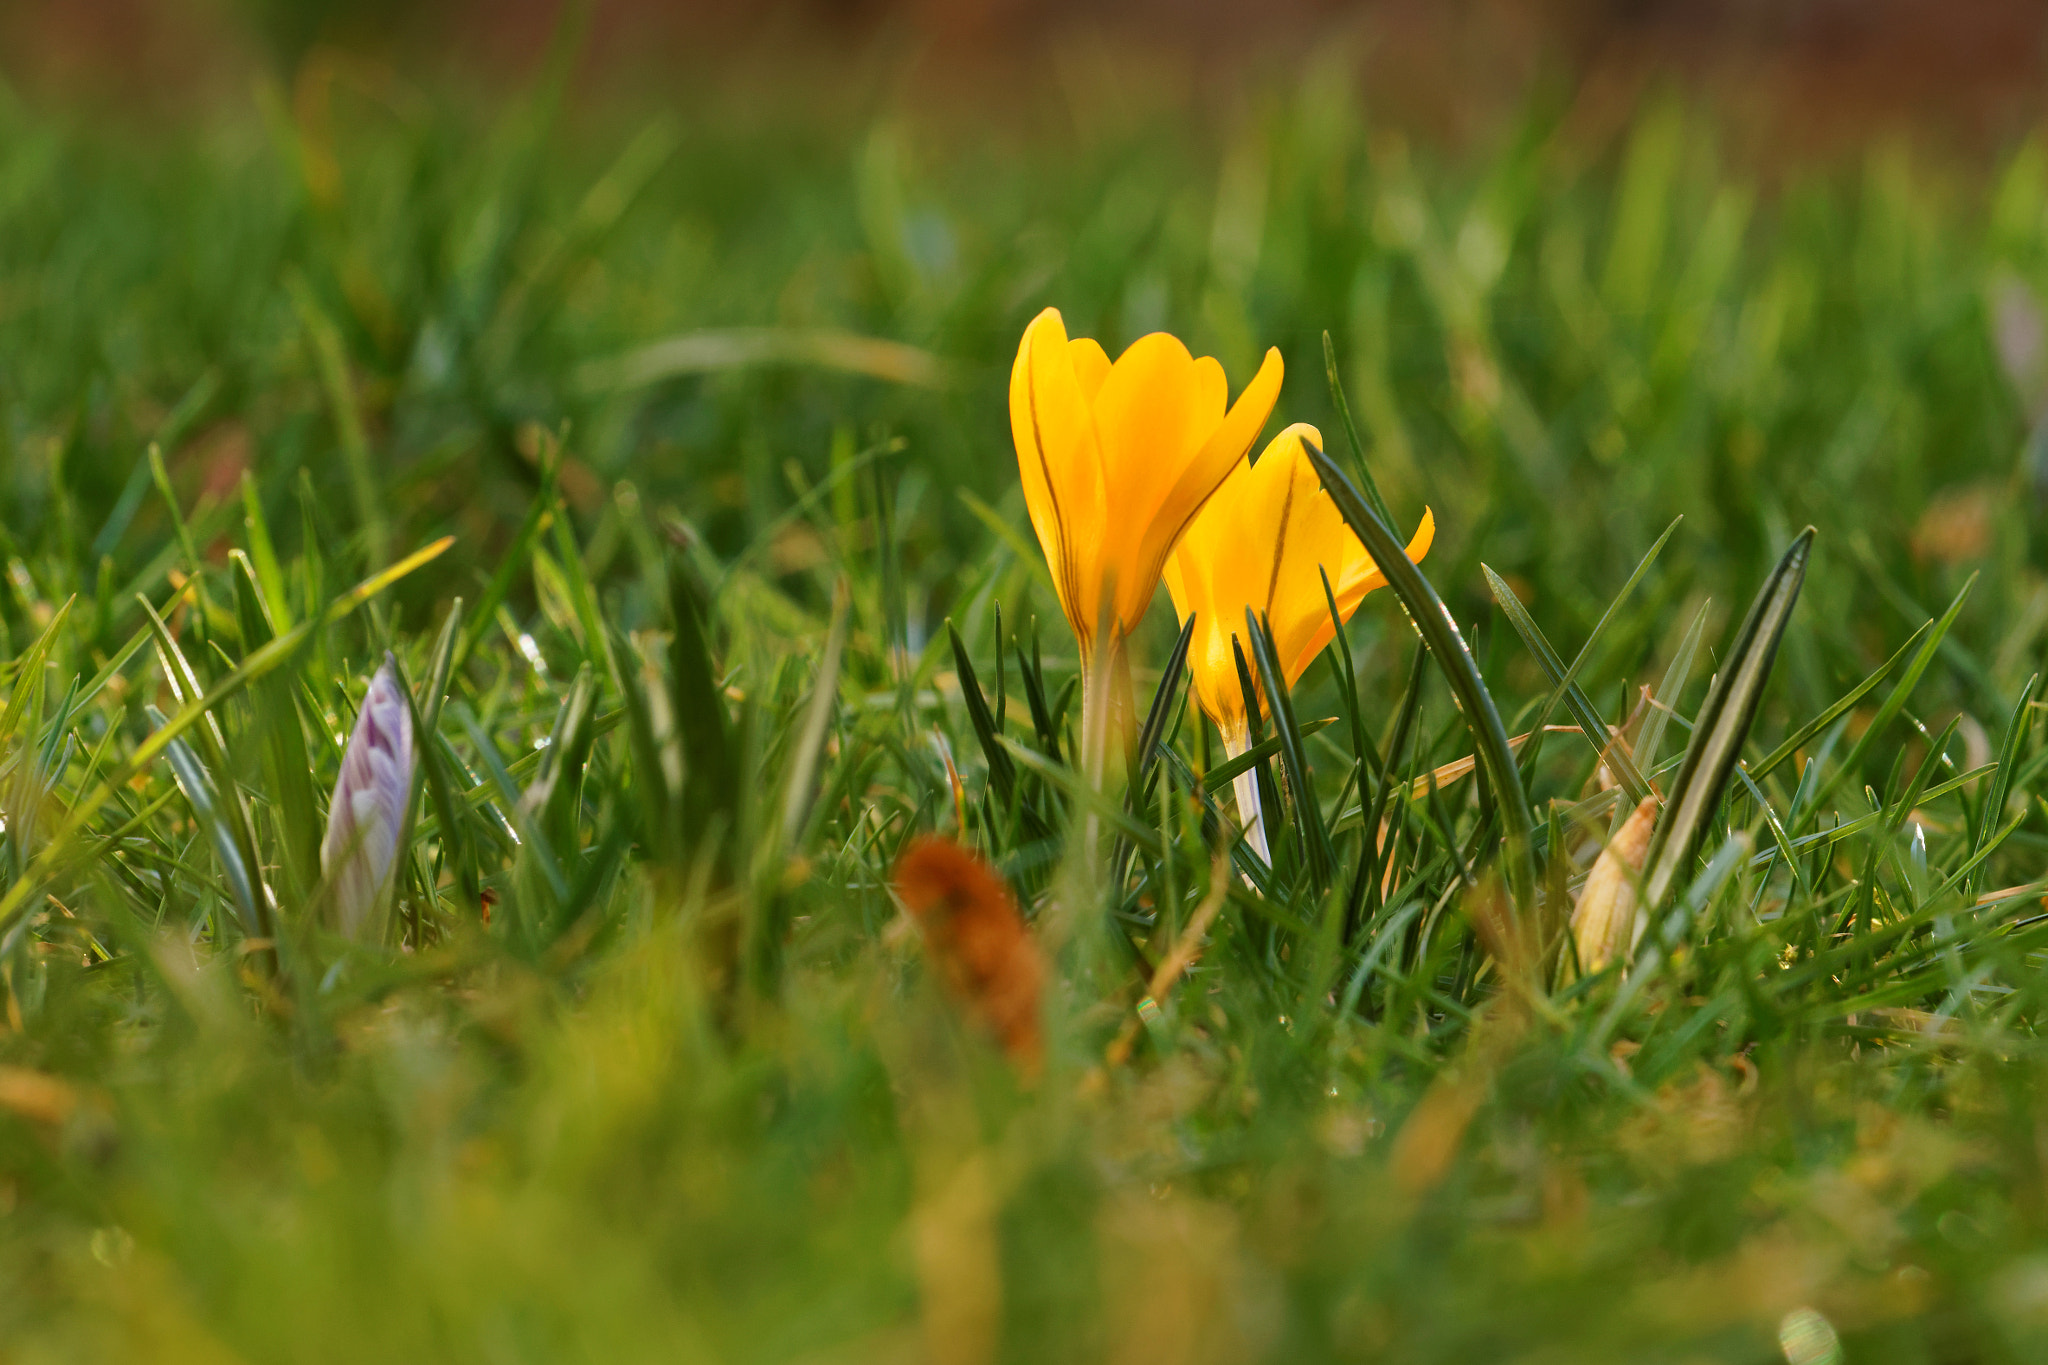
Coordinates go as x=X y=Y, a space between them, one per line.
x=1807 y=1338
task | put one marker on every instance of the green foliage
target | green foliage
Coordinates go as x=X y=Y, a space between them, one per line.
x=651 y=1066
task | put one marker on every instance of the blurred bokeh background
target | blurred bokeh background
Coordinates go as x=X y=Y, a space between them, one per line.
x=1803 y=77
x=1756 y=263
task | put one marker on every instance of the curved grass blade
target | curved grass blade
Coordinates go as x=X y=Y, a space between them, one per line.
x=1264 y=791
x=55 y=853
x=28 y=669
x=202 y=794
x=226 y=806
x=1433 y=622
x=1165 y=699
x=1723 y=722
x=1032 y=672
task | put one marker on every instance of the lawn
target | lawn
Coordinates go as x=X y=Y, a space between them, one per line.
x=669 y=456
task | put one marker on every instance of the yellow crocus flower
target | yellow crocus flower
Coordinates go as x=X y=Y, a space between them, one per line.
x=1264 y=541
x=1118 y=458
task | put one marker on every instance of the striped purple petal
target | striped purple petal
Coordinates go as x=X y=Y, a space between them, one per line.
x=369 y=807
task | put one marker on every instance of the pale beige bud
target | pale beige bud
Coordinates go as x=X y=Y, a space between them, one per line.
x=1604 y=922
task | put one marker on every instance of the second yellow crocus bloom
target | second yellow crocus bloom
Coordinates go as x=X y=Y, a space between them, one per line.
x=1264 y=542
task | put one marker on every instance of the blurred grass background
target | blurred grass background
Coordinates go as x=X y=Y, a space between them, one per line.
x=1586 y=270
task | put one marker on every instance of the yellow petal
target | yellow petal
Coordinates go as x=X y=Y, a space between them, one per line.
x=1198 y=573
x=1150 y=419
x=1192 y=481
x=1361 y=577
x=1091 y=366
x=1060 y=464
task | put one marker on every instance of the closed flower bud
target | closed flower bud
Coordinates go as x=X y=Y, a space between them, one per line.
x=367 y=814
x=1609 y=918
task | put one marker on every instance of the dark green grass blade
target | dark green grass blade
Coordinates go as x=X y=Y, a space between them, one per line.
x=2017 y=726
x=1308 y=815
x=1002 y=773
x=1221 y=776
x=202 y=792
x=1852 y=766
x=517 y=555
x=1835 y=711
x=1564 y=681
x=284 y=742
x=1723 y=723
x=1366 y=481
x=654 y=799
x=1433 y=621
x=1665 y=699
x=457 y=852
x=1937 y=751
x=1165 y=706
x=711 y=786
x=1032 y=673
x=1262 y=769
x=1366 y=879
x=1159 y=718
x=1363 y=750
x=62 y=847
x=226 y=806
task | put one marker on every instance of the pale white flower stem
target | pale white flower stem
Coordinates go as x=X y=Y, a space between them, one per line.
x=1246 y=788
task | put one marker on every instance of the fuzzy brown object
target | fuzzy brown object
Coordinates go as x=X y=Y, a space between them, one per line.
x=976 y=937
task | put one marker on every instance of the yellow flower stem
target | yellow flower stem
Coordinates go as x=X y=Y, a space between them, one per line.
x=1250 y=813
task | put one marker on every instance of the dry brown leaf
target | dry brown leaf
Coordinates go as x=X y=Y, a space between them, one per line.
x=36 y=1095
x=976 y=937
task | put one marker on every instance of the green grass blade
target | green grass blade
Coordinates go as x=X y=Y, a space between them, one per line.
x=1433 y=621
x=59 y=851
x=278 y=727
x=1366 y=482
x=1723 y=723
x=1835 y=711
x=1894 y=701
x=1564 y=681
x=1301 y=780
x=2017 y=725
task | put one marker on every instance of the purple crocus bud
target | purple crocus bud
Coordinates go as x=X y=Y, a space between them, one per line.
x=368 y=811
